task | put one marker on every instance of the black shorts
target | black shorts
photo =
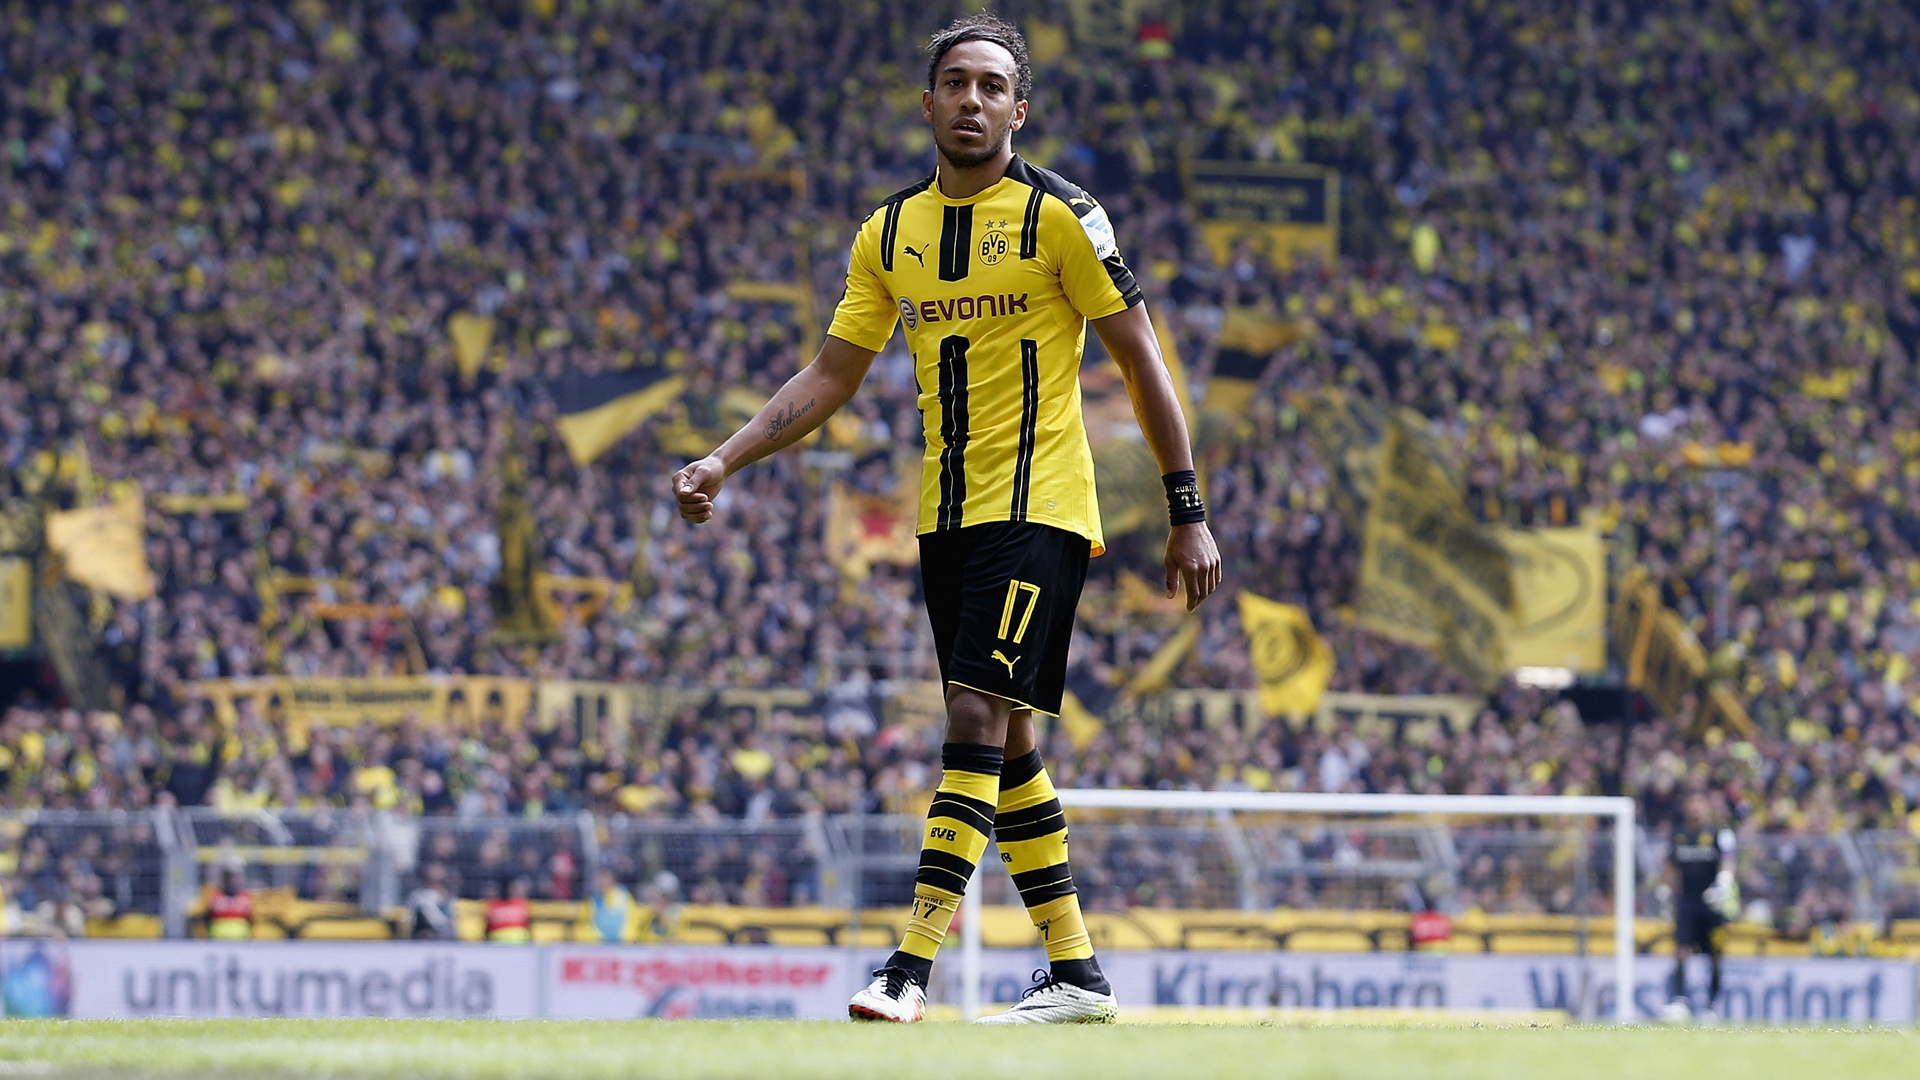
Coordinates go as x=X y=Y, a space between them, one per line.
x=1001 y=597
x=1693 y=926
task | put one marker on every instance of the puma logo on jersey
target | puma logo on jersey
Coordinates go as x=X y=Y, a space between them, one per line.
x=1002 y=657
x=918 y=256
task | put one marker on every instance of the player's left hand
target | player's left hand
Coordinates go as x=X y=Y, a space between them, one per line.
x=1192 y=561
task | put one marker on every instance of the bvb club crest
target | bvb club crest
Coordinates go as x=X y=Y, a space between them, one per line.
x=993 y=247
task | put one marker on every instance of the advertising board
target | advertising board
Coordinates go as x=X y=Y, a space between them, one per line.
x=128 y=979
x=131 y=979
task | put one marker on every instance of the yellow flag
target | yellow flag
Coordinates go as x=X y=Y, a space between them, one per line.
x=1293 y=662
x=597 y=411
x=1081 y=726
x=1560 y=585
x=1249 y=338
x=105 y=548
x=472 y=337
x=1430 y=574
x=1153 y=675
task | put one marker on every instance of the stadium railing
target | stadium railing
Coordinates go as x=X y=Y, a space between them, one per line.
x=104 y=873
x=1192 y=881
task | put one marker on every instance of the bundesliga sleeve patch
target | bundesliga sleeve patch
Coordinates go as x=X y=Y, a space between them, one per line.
x=1099 y=231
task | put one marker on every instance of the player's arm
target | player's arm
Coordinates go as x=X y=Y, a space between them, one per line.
x=799 y=407
x=1192 y=558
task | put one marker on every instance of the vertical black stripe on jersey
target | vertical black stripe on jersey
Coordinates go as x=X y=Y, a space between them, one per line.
x=1030 y=226
x=889 y=232
x=953 y=430
x=1029 y=425
x=956 y=237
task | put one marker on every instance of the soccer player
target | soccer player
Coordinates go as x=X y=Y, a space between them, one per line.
x=995 y=267
x=1705 y=897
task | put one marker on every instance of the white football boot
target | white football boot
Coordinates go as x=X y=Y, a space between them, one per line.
x=1056 y=1002
x=892 y=996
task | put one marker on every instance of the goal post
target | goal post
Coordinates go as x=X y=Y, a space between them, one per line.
x=1309 y=805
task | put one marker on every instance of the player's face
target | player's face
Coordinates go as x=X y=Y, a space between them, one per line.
x=972 y=105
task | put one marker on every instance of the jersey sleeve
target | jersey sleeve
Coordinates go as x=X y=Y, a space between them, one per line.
x=866 y=313
x=1094 y=277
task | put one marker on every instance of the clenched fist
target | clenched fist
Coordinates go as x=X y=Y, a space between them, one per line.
x=695 y=487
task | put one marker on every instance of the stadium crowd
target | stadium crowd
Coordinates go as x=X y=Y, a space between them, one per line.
x=232 y=236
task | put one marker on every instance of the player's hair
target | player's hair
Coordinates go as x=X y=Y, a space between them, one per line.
x=984 y=26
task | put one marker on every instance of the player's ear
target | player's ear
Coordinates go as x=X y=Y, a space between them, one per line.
x=926 y=105
x=1019 y=114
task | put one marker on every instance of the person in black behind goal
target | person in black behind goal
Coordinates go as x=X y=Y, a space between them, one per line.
x=1705 y=897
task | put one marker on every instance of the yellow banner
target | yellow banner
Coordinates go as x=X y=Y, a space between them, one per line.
x=631 y=705
x=1292 y=660
x=229 y=503
x=459 y=699
x=1430 y=574
x=1666 y=661
x=1560 y=584
x=1286 y=212
x=105 y=548
x=1411 y=718
x=16 y=602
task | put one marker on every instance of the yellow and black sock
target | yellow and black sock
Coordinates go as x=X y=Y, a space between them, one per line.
x=958 y=824
x=1031 y=830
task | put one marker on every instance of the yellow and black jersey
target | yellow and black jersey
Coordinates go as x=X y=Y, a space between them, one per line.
x=995 y=291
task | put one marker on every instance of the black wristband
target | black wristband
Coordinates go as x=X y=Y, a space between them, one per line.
x=1184 y=505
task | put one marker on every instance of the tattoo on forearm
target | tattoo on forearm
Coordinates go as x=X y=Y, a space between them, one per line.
x=783 y=419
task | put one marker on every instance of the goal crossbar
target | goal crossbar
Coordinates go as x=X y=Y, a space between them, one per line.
x=1619 y=808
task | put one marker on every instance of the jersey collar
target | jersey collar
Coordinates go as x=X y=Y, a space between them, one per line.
x=984 y=193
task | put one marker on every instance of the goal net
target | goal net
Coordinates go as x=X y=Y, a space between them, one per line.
x=1273 y=901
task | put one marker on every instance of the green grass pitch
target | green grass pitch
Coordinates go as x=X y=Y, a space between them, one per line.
x=760 y=1050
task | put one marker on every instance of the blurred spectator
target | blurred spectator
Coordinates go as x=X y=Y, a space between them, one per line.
x=230 y=908
x=611 y=909
x=510 y=917
x=430 y=907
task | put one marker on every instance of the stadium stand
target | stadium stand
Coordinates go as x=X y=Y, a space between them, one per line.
x=227 y=273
